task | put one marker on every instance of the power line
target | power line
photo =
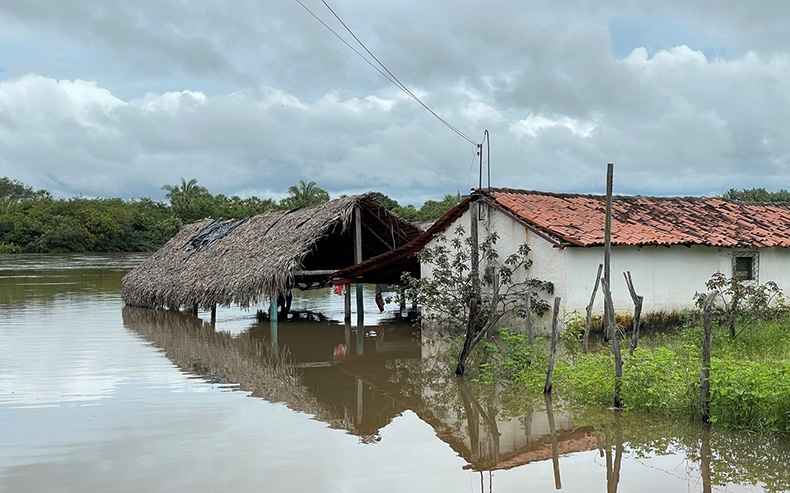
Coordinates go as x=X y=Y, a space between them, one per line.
x=388 y=75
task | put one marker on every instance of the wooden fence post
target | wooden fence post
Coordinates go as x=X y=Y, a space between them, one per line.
x=550 y=373
x=638 y=300
x=588 y=320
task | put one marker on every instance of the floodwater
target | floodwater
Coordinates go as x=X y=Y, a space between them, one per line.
x=95 y=396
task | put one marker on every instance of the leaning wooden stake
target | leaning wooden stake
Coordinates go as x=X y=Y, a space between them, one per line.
x=611 y=324
x=588 y=320
x=550 y=373
x=638 y=300
x=706 y=349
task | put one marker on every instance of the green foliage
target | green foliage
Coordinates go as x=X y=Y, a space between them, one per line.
x=304 y=195
x=751 y=395
x=661 y=381
x=430 y=210
x=448 y=293
x=750 y=375
x=741 y=302
x=757 y=195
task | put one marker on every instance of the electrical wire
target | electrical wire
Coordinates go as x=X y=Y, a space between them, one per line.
x=345 y=42
x=399 y=83
x=388 y=75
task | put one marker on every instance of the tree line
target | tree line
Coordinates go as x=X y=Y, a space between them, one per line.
x=33 y=221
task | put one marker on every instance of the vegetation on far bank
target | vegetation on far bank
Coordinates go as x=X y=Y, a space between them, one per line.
x=33 y=221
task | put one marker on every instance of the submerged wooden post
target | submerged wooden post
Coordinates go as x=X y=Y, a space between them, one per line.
x=358 y=259
x=707 y=342
x=588 y=319
x=552 y=355
x=273 y=321
x=347 y=302
x=638 y=300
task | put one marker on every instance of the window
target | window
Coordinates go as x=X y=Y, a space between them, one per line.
x=745 y=266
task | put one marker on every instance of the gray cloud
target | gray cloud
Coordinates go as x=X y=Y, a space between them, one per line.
x=251 y=97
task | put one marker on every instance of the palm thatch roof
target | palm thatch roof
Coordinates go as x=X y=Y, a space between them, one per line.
x=241 y=262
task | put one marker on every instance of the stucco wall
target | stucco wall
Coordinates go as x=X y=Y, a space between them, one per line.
x=667 y=277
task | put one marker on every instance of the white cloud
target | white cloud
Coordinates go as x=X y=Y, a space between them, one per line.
x=256 y=98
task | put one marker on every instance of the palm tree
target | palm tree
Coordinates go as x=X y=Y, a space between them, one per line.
x=181 y=196
x=305 y=195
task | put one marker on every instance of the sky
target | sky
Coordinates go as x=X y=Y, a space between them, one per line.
x=118 y=98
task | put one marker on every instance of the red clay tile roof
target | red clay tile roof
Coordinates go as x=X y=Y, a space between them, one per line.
x=579 y=219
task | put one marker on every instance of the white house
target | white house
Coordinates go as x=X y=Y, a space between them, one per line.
x=671 y=245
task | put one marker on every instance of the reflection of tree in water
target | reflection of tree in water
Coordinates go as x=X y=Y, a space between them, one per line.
x=717 y=455
x=488 y=426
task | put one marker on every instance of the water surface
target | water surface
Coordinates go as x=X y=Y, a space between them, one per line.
x=95 y=396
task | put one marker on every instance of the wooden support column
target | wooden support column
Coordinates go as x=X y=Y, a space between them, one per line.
x=347 y=301
x=195 y=308
x=214 y=315
x=273 y=320
x=357 y=260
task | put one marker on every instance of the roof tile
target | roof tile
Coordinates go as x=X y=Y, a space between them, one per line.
x=636 y=220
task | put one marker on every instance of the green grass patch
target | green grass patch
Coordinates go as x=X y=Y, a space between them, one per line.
x=750 y=374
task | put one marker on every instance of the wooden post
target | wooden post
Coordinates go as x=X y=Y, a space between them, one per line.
x=347 y=302
x=195 y=308
x=214 y=315
x=707 y=342
x=273 y=321
x=358 y=259
x=550 y=373
x=588 y=320
x=607 y=250
x=638 y=300
x=611 y=323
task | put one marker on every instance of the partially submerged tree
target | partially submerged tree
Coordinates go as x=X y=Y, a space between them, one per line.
x=740 y=303
x=455 y=296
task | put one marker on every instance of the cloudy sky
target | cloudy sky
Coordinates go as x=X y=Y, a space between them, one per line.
x=117 y=98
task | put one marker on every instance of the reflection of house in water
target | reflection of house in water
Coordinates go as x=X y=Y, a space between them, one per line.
x=358 y=382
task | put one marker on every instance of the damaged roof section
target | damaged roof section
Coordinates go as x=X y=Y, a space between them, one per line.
x=242 y=262
x=640 y=221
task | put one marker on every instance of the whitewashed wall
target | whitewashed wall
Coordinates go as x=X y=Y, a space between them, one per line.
x=667 y=277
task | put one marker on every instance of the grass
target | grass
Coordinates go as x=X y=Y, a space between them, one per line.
x=750 y=375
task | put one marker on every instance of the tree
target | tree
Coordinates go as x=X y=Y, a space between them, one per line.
x=756 y=195
x=456 y=296
x=431 y=210
x=740 y=303
x=304 y=195
x=185 y=196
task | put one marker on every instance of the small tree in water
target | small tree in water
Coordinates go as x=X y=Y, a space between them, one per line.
x=455 y=296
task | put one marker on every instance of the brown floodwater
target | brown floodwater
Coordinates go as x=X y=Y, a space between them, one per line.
x=95 y=396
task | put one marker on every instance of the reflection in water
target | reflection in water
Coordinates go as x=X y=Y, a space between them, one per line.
x=78 y=394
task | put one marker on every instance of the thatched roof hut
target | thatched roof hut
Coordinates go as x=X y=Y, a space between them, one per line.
x=244 y=261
